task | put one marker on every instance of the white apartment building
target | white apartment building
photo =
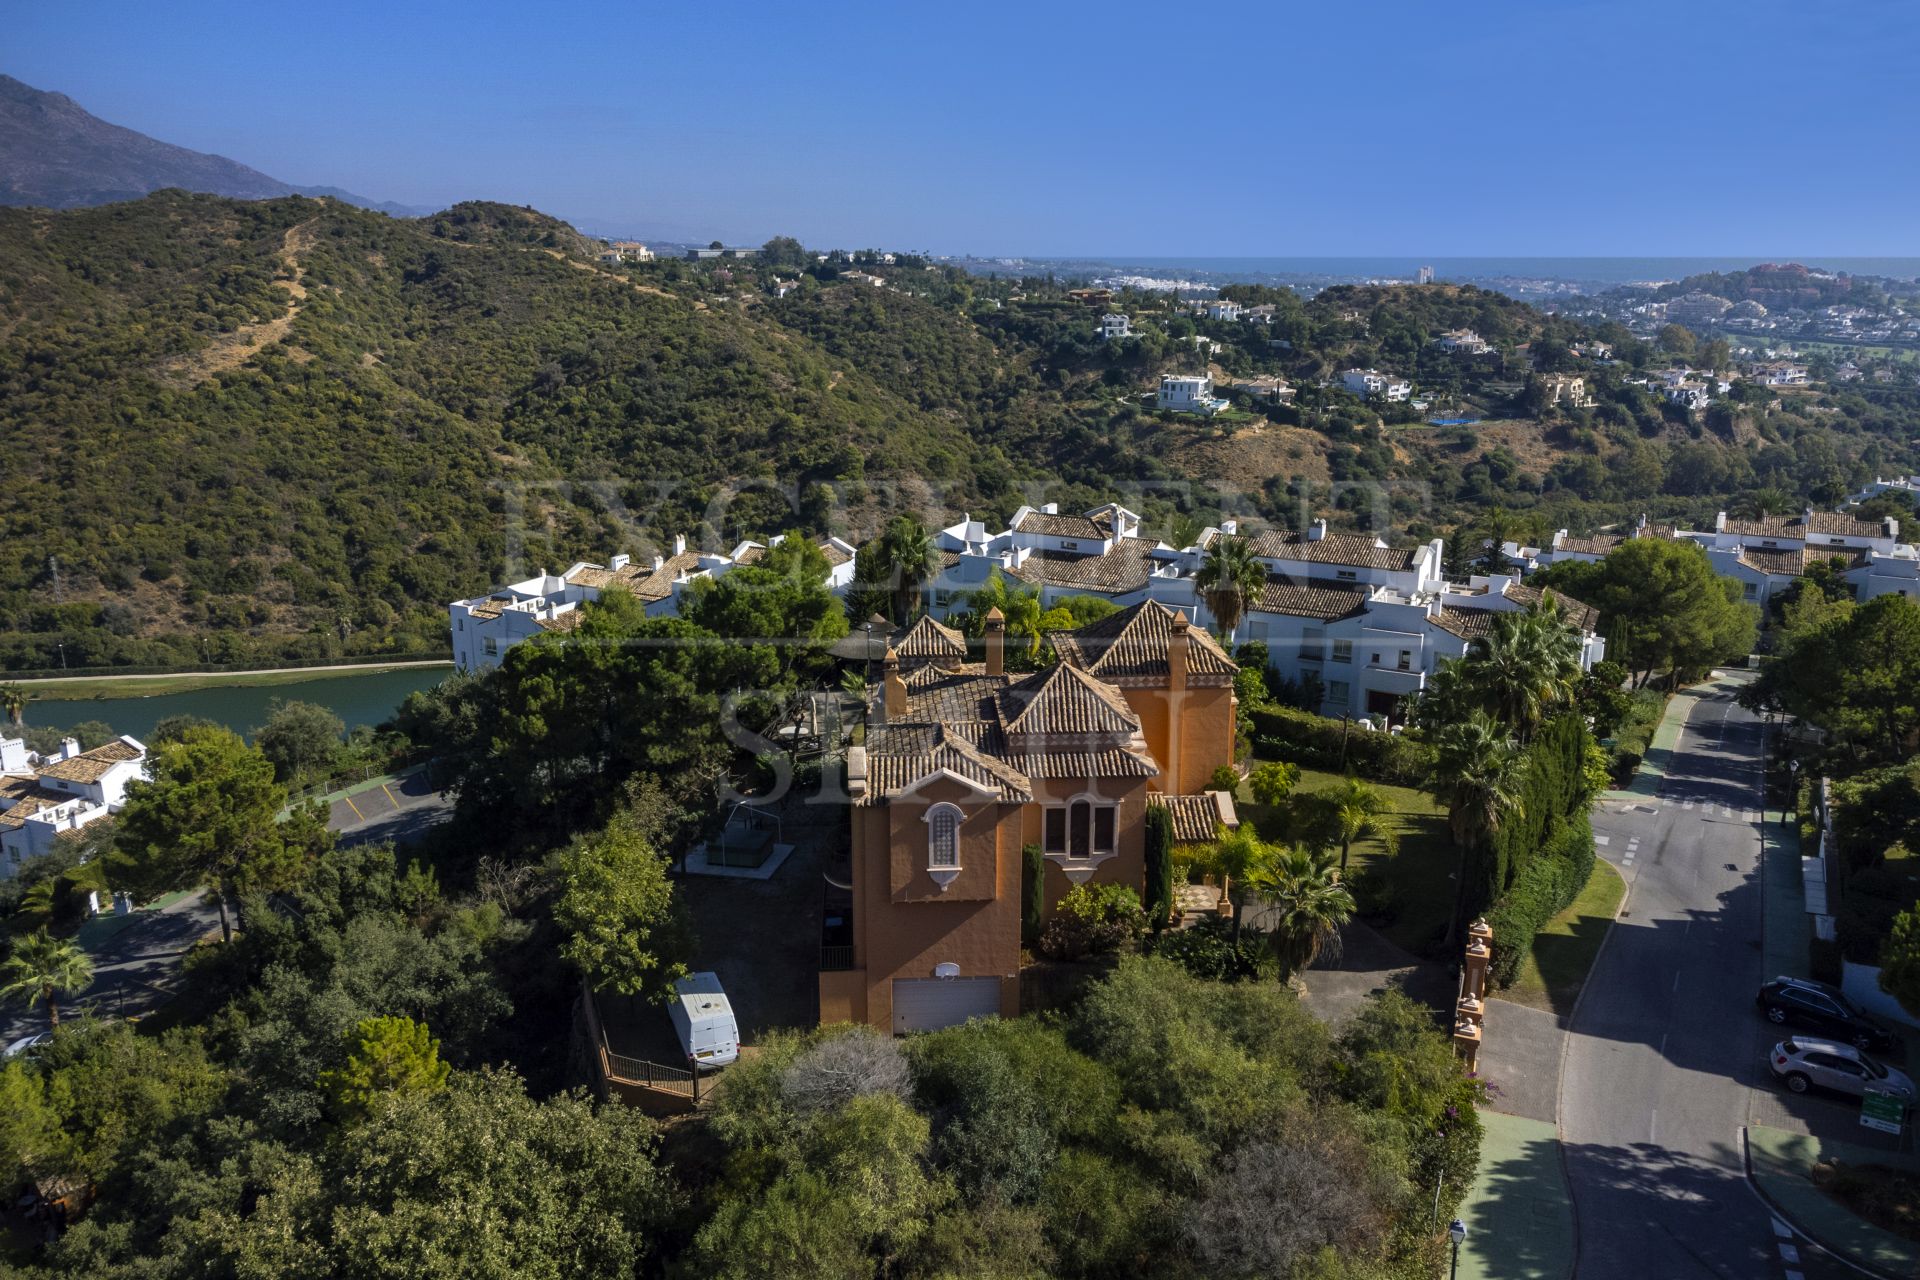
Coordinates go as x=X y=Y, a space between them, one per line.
x=1223 y=309
x=485 y=627
x=44 y=798
x=1371 y=383
x=1113 y=325
x=1328 y=596
x=1189 y=393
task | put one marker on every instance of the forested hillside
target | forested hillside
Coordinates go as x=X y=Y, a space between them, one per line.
x=295 y=429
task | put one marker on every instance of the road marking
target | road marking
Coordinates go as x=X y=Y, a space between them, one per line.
x=1603 y=841
x=356 y=808
x=395 y=803
x=1782 y=1230
x=1653 y=1124
x=1795 y=1275
x=1725 y=812
x=1687 y=805
x=1788 y=1253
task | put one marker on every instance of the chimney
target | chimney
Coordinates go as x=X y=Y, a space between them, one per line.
x=894 y=700
x=1720 y=522
x=619 y=562
x=1050 y=509
x=996 y=641
x=679 y=544
x=1230 y=527
x=1893 y=527
x=1806 y=519
x=1559 y=536
x=857 y=772
x=1640 y=526
x=1317 y=531
x=1177 y=643
x=659 y=563
x=69 y=748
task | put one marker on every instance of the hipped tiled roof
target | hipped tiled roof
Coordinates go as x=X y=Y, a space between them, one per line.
x=1335 y=548
x=1198 y=819
x=1130 y=648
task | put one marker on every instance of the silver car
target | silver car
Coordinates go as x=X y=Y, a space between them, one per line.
x=1842 y=1068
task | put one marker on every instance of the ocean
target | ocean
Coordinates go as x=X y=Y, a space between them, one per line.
x=1523 y=276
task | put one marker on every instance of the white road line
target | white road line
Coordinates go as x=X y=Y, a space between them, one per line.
x=1788 y=1253
x=1795 y=1275
x=1603 y=841
x=1782 y=1230
x=1687 y=805
x=1725 y=812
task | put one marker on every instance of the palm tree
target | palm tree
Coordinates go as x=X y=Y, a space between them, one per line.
x=13 y=701
x=1242 y=859
x=1020 y=606
x=1526 y=668
x=1228 y=578
x=1758 y=504
x=1353 y=810
x=42 y=965
x=1476 y=774
x=909 y=561
x=1307 y=904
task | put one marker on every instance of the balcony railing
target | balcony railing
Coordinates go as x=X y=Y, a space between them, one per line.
x=836 y=959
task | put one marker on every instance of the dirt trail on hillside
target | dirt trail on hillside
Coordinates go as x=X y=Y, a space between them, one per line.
x=578 y=265
x=231 y=350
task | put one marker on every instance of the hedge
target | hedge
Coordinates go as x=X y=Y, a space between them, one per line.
x=1553 y=788
x=1301 y=737
x=1545 y=887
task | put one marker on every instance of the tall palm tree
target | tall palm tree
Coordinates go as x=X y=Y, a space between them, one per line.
x=1528 y=667
x=1307 y=904
x=42 y=965
x=1355 y=810
x=909 y=561
x=1020 y=606
x=13 y=701
x=1476 y=774
x=1228 y=579
x=1758 y=504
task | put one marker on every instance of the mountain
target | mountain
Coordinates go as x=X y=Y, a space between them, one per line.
x=56 y=154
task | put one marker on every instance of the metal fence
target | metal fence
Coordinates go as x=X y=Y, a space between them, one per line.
x=654 y=1075
x=836 y=959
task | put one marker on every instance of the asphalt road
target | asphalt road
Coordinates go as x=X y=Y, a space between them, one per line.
x=134 y=971
x=1667 y=1047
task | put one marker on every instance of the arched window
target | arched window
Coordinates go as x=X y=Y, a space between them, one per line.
x=943 y=837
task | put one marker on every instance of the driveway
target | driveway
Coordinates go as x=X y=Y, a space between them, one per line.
x=134 y=969
x=1664 y=1059
x=400 y=811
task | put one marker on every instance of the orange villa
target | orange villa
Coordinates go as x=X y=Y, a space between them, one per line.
x=967 y=763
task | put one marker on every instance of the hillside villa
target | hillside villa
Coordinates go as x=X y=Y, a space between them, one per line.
x=44 y=799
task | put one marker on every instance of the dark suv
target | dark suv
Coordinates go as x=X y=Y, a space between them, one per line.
x=1805 y=1003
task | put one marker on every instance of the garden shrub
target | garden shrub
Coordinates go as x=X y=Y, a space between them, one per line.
x=1208 y=950
x=1091 y=919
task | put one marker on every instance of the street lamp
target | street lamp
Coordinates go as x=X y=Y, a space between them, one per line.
x=1457 y=1231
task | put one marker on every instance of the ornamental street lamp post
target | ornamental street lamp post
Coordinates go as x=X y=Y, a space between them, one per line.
x=1457 y=1231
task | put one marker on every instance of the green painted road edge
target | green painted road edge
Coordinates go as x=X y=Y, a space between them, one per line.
x=1546 y=1242
x=1777 y=1164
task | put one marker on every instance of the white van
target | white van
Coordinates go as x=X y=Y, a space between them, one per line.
x=704 y=1020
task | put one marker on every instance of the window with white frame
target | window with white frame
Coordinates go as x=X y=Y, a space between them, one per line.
x=491 y=645
x=1082 y=829
x=1343 y=651
x=1339 y=693
x=1312 y=645
x=943 y=837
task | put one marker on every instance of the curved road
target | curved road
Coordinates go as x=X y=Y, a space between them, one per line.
x=1666 y=1047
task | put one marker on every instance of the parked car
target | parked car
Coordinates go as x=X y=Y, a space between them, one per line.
x=1802 y=1064
x=25 y=1043
x=1803 y=1002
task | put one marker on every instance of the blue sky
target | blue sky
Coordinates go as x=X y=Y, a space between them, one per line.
x=1274 y=128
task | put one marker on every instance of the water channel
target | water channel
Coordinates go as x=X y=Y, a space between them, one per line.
x=356 y=697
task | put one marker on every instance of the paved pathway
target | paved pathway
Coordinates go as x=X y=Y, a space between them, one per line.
x=134 y=969
x=1519 y=1219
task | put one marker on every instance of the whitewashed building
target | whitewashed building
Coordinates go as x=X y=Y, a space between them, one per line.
x=43 y=798
x=1189 y=393
x=1371 y=383
x=485 y=627
x=1114 y=325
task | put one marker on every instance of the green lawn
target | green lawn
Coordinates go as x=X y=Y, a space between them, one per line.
x=1554 y=971
x=1421 y=873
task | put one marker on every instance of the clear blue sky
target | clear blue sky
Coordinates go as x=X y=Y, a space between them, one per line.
x=1273 y=128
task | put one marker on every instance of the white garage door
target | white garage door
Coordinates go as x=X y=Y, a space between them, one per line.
x=928 y=1004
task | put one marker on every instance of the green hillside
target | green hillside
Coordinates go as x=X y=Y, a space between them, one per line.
x=293 y=429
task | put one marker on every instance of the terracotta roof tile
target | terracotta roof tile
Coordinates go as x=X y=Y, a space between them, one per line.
x=1581 y=615
x=1119 y=571
x=1130 y=648
x=1197 y=819
x=927 y=640
x=1312 y=598
x=91 y=766
x=1067 y=526
x=1064 y=700
x=1336 y=548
